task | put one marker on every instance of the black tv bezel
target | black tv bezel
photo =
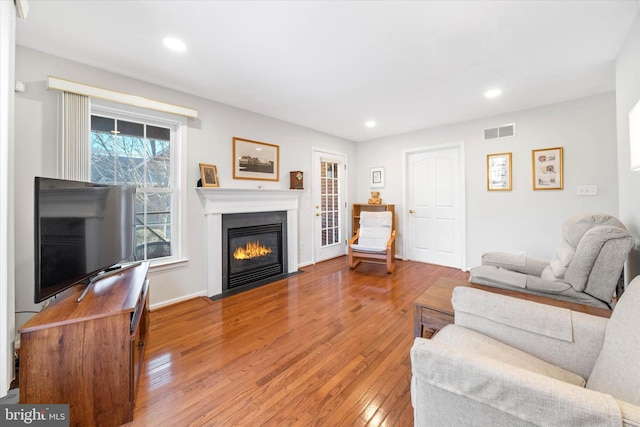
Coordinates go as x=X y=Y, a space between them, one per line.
x=41 y=294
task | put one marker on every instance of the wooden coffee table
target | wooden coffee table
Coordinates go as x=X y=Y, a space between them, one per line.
x=433 y=309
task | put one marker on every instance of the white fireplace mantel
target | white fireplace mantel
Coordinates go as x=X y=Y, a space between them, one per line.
x=219 y=201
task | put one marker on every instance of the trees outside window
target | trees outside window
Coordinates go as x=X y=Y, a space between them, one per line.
x=140 y=153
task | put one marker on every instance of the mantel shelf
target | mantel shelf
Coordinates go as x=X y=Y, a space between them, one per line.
x=237 y=200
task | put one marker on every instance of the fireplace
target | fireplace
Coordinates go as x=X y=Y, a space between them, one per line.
x=254 y=249
x=219 y=202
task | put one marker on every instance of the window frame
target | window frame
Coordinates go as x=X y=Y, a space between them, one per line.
x=178 y=129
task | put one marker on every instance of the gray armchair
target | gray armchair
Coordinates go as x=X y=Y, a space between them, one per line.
x=513 y=362
x=585 y=269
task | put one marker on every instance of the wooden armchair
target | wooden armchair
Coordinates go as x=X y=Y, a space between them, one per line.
x=374 y=241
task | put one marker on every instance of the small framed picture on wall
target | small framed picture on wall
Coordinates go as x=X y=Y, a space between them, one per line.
x=209 y=175
x=547 y=169
x=376 y=176
x=499 y=172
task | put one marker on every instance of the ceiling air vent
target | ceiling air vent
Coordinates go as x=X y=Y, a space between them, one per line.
x=491 y=133
x=500 y=132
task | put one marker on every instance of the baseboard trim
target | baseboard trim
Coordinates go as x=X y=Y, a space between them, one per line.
x=165 y=303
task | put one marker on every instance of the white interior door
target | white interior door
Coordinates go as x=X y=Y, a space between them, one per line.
x=329 y=185
x=435 y=200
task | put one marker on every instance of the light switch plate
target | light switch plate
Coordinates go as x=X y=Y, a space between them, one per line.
x=587 y=190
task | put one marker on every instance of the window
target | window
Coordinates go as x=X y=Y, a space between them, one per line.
x=142 y=152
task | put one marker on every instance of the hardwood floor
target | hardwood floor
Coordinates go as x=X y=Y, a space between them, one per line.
x=328 y=347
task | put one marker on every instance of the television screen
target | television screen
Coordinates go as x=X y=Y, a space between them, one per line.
x=80 y=230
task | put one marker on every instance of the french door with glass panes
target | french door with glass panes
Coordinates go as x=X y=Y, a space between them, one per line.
x=329 y=205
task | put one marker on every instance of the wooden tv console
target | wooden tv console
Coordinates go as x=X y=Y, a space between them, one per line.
x=89 y=354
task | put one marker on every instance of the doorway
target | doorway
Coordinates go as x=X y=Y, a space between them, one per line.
x=434 y=205
x=330 y=206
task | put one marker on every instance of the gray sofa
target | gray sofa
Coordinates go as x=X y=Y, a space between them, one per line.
x=512 y=362
x=585 y=269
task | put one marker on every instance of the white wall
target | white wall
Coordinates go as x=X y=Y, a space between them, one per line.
x=7 y=319
x=522 y=219
x=627 y=95
x=209 y=141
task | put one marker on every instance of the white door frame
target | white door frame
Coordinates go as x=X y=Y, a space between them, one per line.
x=405 y=188
x=7 y=264
x=314 y=171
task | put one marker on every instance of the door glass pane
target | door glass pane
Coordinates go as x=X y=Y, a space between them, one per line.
x=330 y=203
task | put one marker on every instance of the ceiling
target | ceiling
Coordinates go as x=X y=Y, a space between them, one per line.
x=332 y=65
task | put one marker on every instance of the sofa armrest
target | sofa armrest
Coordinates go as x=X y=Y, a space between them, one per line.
x=447 y=385
x=630 y=414
x=515 y=262
x=560 y=336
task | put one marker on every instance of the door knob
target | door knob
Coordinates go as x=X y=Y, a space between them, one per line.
x=411 y=211
x=318 y=214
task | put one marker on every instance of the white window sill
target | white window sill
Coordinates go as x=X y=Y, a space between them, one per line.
x=168 y=264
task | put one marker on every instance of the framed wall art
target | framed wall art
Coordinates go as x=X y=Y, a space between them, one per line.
x=376 y=177
x=255 y=160
x=547 y=169
x=209 y=175
x=499 y=172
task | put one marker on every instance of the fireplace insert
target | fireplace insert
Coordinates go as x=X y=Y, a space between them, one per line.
x=253 y=248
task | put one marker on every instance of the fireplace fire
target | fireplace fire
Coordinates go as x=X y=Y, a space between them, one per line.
x=251 y=250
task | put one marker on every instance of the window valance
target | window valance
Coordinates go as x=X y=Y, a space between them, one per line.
x=56 y=83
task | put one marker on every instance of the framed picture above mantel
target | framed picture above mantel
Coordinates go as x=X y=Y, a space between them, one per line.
x=255 y=160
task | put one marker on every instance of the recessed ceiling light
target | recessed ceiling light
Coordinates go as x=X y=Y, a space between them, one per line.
x=174 y=44
x=493 y=93
x=370 y=123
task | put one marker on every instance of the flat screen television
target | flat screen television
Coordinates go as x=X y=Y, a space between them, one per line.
x=81 y=229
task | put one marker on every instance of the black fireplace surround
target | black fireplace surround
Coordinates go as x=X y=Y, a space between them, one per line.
x=259 y=242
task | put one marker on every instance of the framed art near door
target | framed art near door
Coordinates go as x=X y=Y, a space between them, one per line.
x=377 y=177
x=547 y=169
x=499 y=172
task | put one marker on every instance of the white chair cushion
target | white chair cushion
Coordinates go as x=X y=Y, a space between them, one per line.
x=375 y=230
x=375 y=219
x=360 y=248
x=375 y=238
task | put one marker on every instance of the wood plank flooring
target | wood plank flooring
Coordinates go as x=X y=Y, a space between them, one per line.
x=328 y=347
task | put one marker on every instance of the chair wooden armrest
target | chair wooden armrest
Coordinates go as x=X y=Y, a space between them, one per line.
x=352 y=240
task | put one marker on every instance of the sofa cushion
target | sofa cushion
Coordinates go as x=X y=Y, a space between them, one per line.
x=560 y=262
x=590 y=250
x=473 y=342
x=576 y=225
